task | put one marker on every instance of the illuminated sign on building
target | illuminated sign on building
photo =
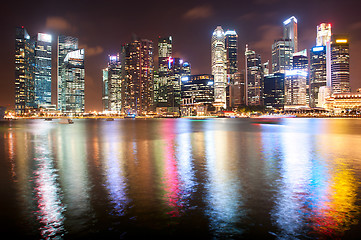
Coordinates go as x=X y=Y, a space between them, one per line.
x=341 y=40
x=318 y=49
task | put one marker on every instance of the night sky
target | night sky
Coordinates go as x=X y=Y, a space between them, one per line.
x=103 y=26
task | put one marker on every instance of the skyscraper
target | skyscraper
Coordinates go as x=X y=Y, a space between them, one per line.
x=281 y=55
x=72 y=83
x=290 y=32
x=164 y=56
x=232 y=49
x=24 y=71
x=219 y=67
x=114 y=83
x=43 y=70
x=65 y=45
x=340 y=64
x=254 y=78
x=177 y=69
x=137 y=77
x=296 y=81
x=105 y=92
x=318 y=73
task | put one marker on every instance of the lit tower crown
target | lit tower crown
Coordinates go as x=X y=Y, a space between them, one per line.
x=219 y=66
x=323 y=34
x=290 y=32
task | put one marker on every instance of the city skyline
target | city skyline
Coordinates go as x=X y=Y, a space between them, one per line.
x=201 y=19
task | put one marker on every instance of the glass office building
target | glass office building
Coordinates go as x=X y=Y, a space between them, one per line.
x=43 y=70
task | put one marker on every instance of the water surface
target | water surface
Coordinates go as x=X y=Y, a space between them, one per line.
x=214 y=178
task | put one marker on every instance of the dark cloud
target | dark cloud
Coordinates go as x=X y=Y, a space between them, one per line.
x=59 y=24
x=199 y=12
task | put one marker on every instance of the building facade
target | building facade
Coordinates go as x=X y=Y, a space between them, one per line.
x=282 y=55
x=24 y=71
x=66 y=44
x=254 y=78
x=105 y=92
x=340 y=64
x=114 y=83
x=197 y=94
x=231 y=40
x=318 y=73
x=137 y=77
x=161 y=82
x=72 y=83
x=42 y=84
x=237 y=90
x=290 y=32
x=274 y=91
x=296 y=81
x=219 y=67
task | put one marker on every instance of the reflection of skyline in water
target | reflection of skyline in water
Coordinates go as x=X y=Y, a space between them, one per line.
x=48 y=194
x=223 y=197
x=296 y=180
x=112 y=153
x=316 y=196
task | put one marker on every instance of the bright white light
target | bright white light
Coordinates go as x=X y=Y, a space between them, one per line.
x=112 y=58
x=185 y=78
x=296 y=72
x=231 y=32
x=44 y=37
x=289 y=20
x=210 y=83
x=318 y=49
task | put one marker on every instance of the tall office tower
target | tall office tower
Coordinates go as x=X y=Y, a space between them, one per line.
x=237 y=90
x=320 y=63
x=65 y=45
x=254 y=78
x=274 y=91
x=72 y=83
x=114 y=84
x=281 y=55
x=296 y=81
x=105 y=92
x=323 y=34
x=24 y=71
x=318 y=74
x=137 y=77
x=290 y=32
x=164 y=57
x=232 y=49
x=340 y=64
x=219 y=67
x=178 y=69
x=43 y=70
